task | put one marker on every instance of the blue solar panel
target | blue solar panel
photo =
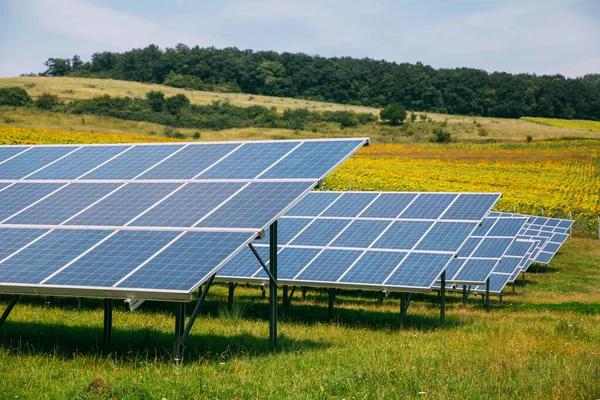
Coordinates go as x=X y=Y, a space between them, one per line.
x=133 y=162
x=12 y=240
x=290 y=262
x=48 y=255
x=125 y=204
x=31 y=161
x=63 y=204
x=469 y=247
x=559 y=238
x=329 y=265
x=507 y=227
x=497 y=283
x=429 y=206
x=188 y=205
x=492 y=247
x=374 y=267
x=18 y=196
x=287 y=229
x=312 y=159
x=313 y=204
x=565 y=223
x=236 y=165
x=78 y=163
x=389 y=205
x=551 y=247
x=350 y=205
x=544 y=257
x=187 y=262
x=321 y=232
x=402 y=235
x=471 y=206
x=361 y=233
x=245 y=264
x=260 y=201
x=112 y=260
x=454 y=266
x=419 y=270
x=518 y=248
x=190 y=161
x=446 y=236
x=8 y=152
x=475 y=270
x=507 y=265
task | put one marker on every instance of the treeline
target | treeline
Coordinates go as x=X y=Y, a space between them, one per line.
x=177 y=111
x=347 y=80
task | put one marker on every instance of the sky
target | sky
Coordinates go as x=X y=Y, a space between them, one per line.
x=516 y=36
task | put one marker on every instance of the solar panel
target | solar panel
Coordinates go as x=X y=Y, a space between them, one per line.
x=484 y=250
x=551 y=233
x=148 y=221
x=368 y=240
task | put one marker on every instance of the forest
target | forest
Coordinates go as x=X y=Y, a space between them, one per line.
x=368 y=82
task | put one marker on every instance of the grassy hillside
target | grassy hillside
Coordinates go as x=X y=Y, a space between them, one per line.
x=543 y=342
x=68 y=89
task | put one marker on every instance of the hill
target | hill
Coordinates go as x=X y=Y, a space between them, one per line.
x=71 y=89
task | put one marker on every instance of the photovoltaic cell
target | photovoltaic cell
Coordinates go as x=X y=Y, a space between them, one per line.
x=63 y=204
x=263 y=155
x=403 y=235
x=31 y=160
x=320 y=232
x=361 y=233
x=106 y=264
x=18 y=196
x=78 y=163
x=245 y=263
x=188 y=262
x=476 y=270
x=329 y=265
x=290 y=262
x=313 y=204
x=446 y=236
x=419 y=270
x=471 y=206
x=429 y=206
x=508 y=265
x=48 y=255
x=125 y=204
x=492 y=247
x=188 y=205
x=12 y=240
x=287 y=229
x=507 y=227
x=133 y=162
x=190 y=161
x=374 y=267
x=8 y=152
x=259 y=202
x=349 y=205
x=388 y=205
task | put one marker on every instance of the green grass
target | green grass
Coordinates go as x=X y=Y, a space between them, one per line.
x=543 y=342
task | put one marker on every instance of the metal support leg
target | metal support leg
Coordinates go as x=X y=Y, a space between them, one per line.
x=304 y=290
x=380 y=298
x=11 y=305
x=513 y=287
x=523 y=276
x=79 y=303
x=464 y=296
x=285 y=301
x=404 y=303
x=230 y=296
x=108 y=309
x=179 y=324
x=263 y=290
x=443 y=298
x=331 y=300
x=500 y=298
x=487 y=292
x=273 y=284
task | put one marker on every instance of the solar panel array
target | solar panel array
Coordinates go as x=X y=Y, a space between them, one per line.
x=484 y=250
x=398 y=241
x=151 y=221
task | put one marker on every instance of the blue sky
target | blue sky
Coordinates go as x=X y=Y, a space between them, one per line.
x=535 y=36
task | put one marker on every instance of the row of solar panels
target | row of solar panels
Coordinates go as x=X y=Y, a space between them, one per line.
x=383 y=241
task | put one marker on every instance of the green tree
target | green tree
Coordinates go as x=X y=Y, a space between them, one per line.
x=46 y=101
x=394 y=114
x=14 y=96
x=175 y=103
x=156 y=100
x=57 y=67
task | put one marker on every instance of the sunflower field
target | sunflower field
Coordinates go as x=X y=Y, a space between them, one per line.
x=553 y=178
x=14 y=135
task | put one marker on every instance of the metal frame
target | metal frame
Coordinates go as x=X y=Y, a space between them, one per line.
x=11 y=304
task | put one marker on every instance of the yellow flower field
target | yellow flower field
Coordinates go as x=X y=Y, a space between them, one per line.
x=556 y=177
x=14 y=135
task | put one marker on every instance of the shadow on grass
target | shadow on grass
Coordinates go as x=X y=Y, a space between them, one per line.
x=135 y=345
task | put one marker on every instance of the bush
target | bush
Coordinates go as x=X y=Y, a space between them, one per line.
x=529 y=138
x=156 y=100
x=394 y=114
x=14 y=96
x=47 y=101
x=441 y=135
x=175 y=103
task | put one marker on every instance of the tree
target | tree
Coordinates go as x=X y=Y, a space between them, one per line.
x=14 y=96
x=76 y=63
x=57 y=67
x=394 y=114
x=156 y=100
x=46 y=101
x=174 y=103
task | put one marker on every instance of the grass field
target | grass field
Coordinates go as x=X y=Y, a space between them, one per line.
x=543 y=342
x=463 y=128
x=566 y=123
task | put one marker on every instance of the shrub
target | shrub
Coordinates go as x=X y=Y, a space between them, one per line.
x=529 y=138
x=394 y=114
x=175 y=103
x=46 y=101
x=14 y=96
x=441 y=135
x=156 y=100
